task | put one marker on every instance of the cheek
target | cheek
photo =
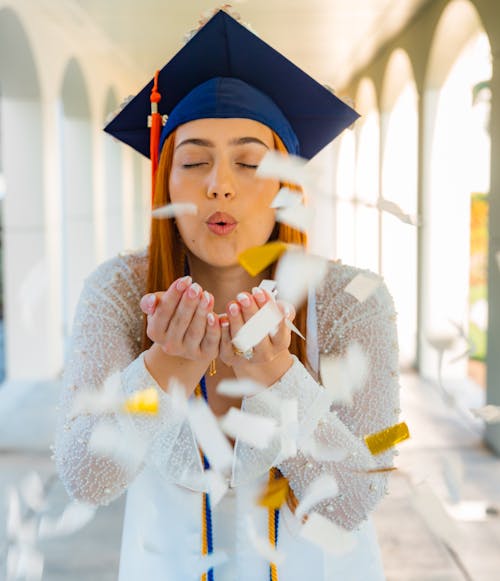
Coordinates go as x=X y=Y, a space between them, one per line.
x=179 y=187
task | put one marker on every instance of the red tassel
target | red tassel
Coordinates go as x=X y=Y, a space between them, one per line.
x=156 y=126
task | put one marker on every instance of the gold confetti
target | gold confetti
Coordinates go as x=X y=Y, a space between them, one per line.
x=142 y=402
x=256 y=259
x=377 y=470
x=385 y=439
x=275 y=493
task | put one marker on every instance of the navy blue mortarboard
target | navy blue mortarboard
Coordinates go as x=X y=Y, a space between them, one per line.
x=227 y=71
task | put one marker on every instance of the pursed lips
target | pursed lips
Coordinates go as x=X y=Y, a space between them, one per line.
x=221 y=223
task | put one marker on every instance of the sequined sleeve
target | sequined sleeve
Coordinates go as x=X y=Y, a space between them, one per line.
x=341 y=321
x=105 y=347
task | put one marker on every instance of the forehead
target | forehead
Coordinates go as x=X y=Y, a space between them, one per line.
x=224 y=130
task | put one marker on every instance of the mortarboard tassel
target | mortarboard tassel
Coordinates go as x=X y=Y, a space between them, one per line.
x=155 y=124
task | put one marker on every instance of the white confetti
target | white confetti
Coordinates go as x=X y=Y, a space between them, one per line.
x=296 y=273
x=395 y=210
x=269 y=286
x=217 y=486
x=172 y=210
x=108 y=399
x=75 y=516
x=363 y=285
x=24 y=562
x=298 y=217
x=289 y=428
x=470 y=511
x=322 y=452
x=287 y=168
x=32 y=492
x=239 y=388
x=209 y=436
x=325 y=486
x=257 y=327
x=344 y=376
x=204 y=563
x=14 y=519
x=327 y=535
x=286 y=198
x=431 y=509
x=489 y=413
x=125 y=447
x=252 y=429
x=262 y=545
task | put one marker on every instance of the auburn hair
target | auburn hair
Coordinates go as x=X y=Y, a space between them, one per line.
x=167 y=255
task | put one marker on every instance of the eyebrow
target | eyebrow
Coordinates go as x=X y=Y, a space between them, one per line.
x=208 y=143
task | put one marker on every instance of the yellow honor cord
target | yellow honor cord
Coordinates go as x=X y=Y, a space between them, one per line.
x=271 y=520
x=385 y=439
x=256 y=259
x=142 y=402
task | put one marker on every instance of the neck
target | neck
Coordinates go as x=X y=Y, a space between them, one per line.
x=224 y=282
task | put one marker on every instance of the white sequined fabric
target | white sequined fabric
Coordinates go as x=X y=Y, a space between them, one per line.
x=106 y=340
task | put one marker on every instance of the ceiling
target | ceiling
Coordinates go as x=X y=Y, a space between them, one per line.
x=330 y=39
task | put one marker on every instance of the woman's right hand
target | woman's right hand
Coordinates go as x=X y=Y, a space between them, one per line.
x=181 y=321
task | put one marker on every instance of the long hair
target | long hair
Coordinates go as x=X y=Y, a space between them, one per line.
x=167 y=251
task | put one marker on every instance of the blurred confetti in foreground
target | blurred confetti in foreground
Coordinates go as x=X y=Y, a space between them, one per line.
x=385 y=439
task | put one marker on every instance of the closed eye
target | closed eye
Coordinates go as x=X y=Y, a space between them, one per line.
x=188 y=165
x=247 y=165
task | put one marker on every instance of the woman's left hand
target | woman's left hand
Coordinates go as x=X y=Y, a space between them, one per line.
x=271 y=357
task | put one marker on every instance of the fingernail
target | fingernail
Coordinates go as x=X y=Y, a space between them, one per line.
x=194 y=290
x=259 y=294
x=224 y=321
x=150 y=300
x=205 y=299
x=211 y=319
x=183 y=283
x=243 y=299
x=234 y=309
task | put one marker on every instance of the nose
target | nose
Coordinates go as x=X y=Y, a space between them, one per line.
x=221 y=183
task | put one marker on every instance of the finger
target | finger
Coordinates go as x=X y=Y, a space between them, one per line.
x=197 y=327
x=181 y=319
x=248 y=305
x=211 y=340
x=287 y=309
x=148 y=303
x=166 y=304
x=281 y=337
x=226 y=352
x=235 y=316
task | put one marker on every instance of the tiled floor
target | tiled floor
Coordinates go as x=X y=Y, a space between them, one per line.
x=411 y=552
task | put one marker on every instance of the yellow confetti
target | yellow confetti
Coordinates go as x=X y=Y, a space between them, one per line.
x=275 y=493
x=255 y=259
x=377 y=470
x=385 y=439
x=142 y=402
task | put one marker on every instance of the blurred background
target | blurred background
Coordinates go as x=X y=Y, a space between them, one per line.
x=412 y=194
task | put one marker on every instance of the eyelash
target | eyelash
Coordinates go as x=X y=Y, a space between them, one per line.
x=191 y=165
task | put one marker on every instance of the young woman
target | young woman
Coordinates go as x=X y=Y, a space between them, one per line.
x=171 y=312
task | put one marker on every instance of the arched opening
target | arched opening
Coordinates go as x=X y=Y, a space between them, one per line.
x=114 y=217
x=78 y=232
x=23 y=312
x=367 y=235
x=399 y=185
x=456 y=192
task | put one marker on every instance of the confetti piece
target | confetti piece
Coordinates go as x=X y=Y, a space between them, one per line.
x=286 y=198
x=298 y=217
x=453 y=473
x=296 y=273
x=294 y=329
x=142 y=402
x=269 y=286
x=14 y=520
x=206 y=562
x=325 y=486
x=125 y=447
x=363 y=285
x=489 y=413
x=32 y=492
x=274 y=494
x=239 y=388
x=263 y=546
x=321 y=452
x=108 y=399
x=253 y=429
x=385 y=439
x=216 y=486
x=209 y=436
x=431 y=509
x=344 y=376
x=470 y=511
x=327 y=535
x=289 y=428
x=24 y=562
x=257 y=258
x=172 y=210
x=395 y=210
x=75 y=516
x=257 y=327
x=287 y=168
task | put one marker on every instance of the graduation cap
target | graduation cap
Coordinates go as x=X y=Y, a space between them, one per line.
x=225 y=70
